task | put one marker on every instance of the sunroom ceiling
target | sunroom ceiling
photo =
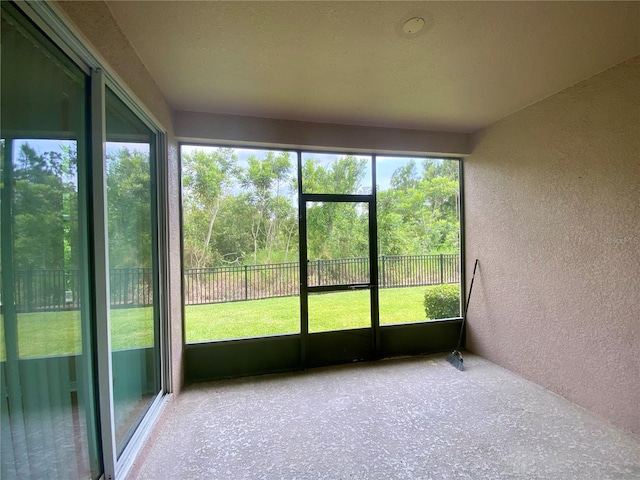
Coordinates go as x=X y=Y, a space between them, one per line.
x=351 y=63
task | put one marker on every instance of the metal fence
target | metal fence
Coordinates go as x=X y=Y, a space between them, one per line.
x=245 y=282
x=51 y=290
x=253 y=282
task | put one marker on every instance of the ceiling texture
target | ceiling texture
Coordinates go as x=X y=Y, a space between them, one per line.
x=351 y=63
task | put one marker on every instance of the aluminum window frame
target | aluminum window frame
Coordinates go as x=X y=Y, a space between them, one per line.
x=373 y=154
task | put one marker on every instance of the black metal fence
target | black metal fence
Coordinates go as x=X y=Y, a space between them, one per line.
x=253 y=282
x=51 y=290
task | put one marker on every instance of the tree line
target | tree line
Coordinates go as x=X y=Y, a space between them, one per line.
x=47 y=213
x=246 y=212
x=234 y=211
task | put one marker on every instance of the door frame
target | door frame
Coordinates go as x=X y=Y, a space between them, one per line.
x=347 y=344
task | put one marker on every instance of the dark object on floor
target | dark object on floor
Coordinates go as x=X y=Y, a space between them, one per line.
x=455 y=357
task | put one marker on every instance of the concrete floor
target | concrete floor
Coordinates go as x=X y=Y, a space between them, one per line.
x=396 y=419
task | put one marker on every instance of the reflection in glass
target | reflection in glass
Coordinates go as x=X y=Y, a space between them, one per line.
x=240 y=224
x=48 y=403
x=337 y=174
x=418 y=215
x=132 y=268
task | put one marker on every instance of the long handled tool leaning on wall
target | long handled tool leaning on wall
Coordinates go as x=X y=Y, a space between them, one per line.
x=455 y=357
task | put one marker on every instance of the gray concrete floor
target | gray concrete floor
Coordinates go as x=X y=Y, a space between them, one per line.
x=409 y=418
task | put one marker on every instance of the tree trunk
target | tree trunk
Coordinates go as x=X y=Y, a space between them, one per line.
x=207 y=240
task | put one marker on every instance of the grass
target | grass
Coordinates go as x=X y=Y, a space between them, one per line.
x=273 y=316
x=59 y=333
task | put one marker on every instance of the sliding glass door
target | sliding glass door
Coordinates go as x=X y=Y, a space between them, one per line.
x=49 y=421
x=81 y=297
x=133 y=269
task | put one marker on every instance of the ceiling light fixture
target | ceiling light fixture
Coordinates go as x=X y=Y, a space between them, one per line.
x=413 y=25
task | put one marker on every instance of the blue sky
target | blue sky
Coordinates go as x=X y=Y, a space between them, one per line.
x=41 y=146
x=386 y=165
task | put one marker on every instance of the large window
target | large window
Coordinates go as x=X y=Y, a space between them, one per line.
x=240 y=210
x=418 y=217
x=242 y=250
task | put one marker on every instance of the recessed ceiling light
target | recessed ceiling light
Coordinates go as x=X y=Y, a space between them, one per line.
x=413 y=25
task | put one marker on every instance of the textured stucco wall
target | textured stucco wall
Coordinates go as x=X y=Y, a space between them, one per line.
x=95 y=24
x=552 y=204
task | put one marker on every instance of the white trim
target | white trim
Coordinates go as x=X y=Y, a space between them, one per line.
x=100 y=262
x=162 y=198
x=136 y=442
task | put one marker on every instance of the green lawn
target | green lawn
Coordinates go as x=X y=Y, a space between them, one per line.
x=58 y=333
x=273 y=316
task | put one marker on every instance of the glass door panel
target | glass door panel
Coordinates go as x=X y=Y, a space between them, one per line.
x=338 y=265
x=132 y=267
x=337 y=243
x=49 y=425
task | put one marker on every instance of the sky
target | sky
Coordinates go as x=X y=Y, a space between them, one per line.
x=41 y=145
x=386 y=165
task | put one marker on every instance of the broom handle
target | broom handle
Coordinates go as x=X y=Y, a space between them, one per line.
x=466 y=307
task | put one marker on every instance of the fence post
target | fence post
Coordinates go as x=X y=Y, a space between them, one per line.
x=318 y=272
x=29 y=290
x=246 y=283
x=383 y=282
x=441 y=269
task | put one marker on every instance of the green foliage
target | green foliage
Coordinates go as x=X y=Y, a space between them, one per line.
x=419 y=213
x=344 y=175
x=235 y=214
x=44 y=209
x=245 y=212
x=442 y=301
x=336 y=229
x=207 y=180
x=129 y=203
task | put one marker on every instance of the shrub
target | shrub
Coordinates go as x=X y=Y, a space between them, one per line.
x=442 y=301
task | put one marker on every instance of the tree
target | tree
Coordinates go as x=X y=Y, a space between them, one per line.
x=207 y=180
x=419 y=214
x=261 y=179
x=335 y=229
x=129 y=206
x=43 y=207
